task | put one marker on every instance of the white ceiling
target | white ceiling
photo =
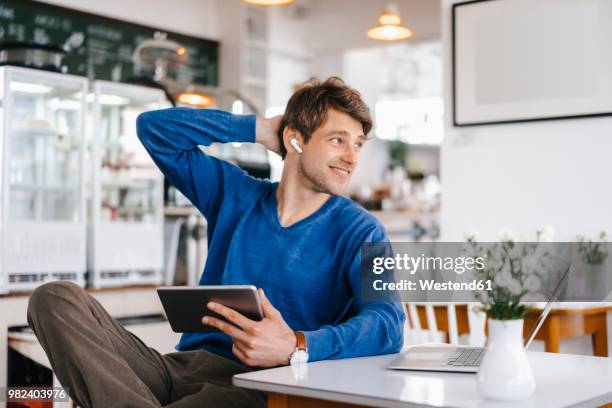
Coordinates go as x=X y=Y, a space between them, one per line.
x=334 y=25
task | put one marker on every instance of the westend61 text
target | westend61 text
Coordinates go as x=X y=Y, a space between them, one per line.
x=430 y=284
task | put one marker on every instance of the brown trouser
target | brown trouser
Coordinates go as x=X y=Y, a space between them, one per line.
x=104 y=366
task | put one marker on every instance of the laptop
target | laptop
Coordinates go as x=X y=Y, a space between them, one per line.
x=463 y=359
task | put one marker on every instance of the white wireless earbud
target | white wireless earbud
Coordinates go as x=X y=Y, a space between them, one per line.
x=296 y=145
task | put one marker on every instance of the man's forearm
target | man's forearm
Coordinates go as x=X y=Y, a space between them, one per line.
x=169 y=131
x=171 y=136
x=377 y=329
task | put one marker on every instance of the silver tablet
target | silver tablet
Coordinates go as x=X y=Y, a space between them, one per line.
x=185 y=306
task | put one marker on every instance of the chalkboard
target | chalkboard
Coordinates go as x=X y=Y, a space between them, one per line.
x=108 y=43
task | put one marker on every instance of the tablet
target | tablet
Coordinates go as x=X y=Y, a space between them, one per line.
x=185 y=306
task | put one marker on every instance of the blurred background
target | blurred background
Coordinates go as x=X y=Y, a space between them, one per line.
x=484 y=121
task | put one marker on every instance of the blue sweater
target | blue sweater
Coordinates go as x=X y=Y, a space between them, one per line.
x=310 y=271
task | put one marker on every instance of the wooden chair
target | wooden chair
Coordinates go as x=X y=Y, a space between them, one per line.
x=443 y=323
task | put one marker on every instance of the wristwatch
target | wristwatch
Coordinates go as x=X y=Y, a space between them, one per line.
x=300 y=355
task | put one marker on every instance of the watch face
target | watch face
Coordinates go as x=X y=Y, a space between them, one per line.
x=299 y=357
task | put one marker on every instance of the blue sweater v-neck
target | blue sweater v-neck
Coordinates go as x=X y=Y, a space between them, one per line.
x=310 y=271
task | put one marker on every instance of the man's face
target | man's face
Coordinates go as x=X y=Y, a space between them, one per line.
x=331 y=154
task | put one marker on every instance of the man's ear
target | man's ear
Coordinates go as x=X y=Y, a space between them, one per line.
x=288 y=134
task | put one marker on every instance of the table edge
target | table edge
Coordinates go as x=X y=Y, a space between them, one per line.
x=325 y=395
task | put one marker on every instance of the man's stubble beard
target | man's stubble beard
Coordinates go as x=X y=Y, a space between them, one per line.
x=317 y=182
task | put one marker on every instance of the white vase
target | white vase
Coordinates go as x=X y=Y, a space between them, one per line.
x=505 y=373
x=595 y=279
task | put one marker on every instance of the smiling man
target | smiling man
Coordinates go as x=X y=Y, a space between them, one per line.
x=298 y=241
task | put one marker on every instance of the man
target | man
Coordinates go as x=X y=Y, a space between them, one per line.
x=298 y=241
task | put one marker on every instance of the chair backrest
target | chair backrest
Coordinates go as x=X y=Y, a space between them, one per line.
x=443 y=323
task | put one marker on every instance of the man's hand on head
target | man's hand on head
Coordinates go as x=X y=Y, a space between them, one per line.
x=265 y=343
x=266 y=132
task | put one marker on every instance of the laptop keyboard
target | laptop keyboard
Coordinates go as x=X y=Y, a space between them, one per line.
x=466 y=357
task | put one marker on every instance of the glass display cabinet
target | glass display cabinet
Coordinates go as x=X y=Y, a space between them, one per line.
x=43 y=226
x=125 y=244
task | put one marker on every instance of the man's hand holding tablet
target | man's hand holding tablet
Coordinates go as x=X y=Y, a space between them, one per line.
x=260 y=335
x=265 y=343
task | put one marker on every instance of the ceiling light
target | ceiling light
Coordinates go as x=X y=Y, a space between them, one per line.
x=389 y=26
x=196 y=99
x=269 y=2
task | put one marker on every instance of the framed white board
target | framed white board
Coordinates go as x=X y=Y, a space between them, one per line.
x=527 y=60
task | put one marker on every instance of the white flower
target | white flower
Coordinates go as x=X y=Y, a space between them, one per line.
x=506 y=269
x=516 y=252
x=528 y=264
x=502 y=279
x=506 y=234
x=498 y=253
x=533 y=283
x=471 y=235
x=515 y=287
x=546 y=234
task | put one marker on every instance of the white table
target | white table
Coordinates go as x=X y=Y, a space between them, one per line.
x=562 y=381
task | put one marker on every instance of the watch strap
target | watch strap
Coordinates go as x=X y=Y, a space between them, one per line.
x=300 y=341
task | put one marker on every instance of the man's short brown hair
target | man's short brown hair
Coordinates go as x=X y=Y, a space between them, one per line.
x=307 y=108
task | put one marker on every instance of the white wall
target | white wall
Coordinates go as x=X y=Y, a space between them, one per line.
x=288 y=55
x=523 y=176
x=361 y=70
x=326 y=65
x=192 y=17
